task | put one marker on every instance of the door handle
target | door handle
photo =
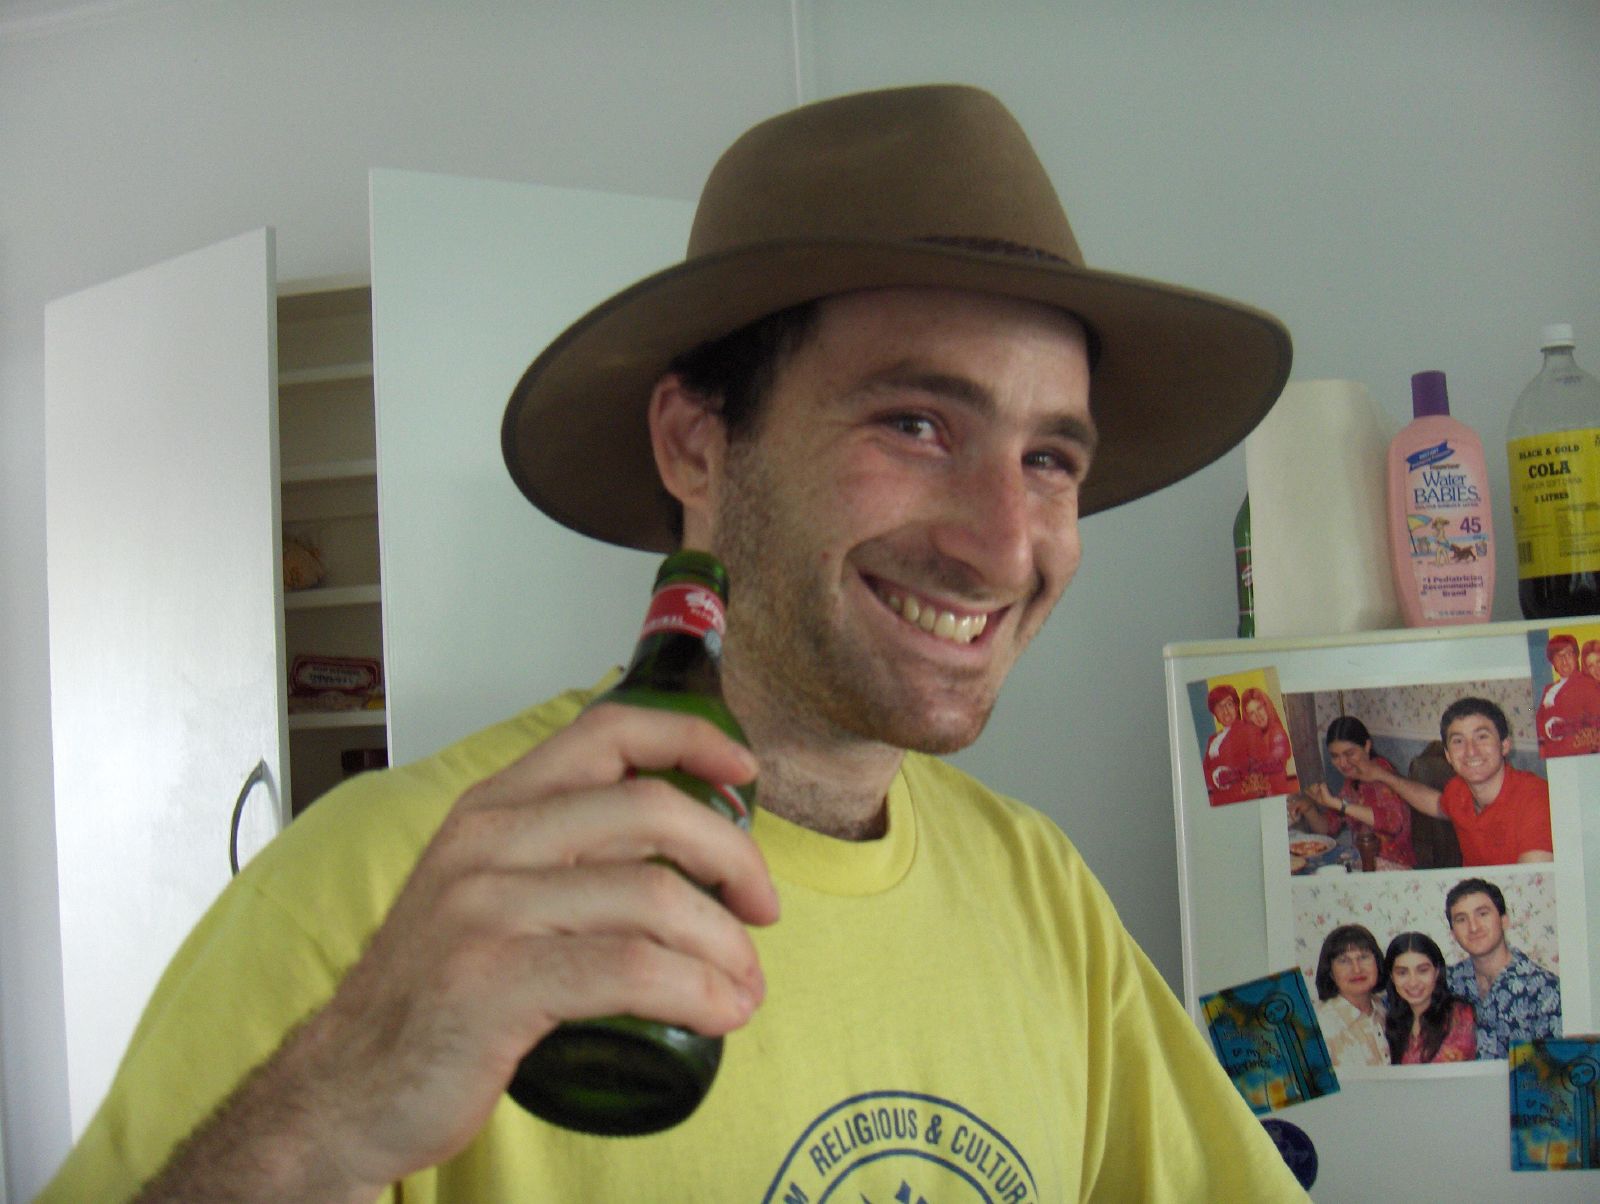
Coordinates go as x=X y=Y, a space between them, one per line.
x=258 y=776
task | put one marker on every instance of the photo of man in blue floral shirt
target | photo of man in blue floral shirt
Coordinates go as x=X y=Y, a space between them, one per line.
x=1515 y=998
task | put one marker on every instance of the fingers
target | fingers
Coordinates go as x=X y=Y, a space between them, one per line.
x=566 y=855
x=576 y=916
x=606 y=742
x=614 y=974
x=605 y=816
x=623 y=822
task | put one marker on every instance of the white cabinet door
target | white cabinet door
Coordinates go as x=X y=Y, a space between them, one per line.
x=165 y=618
x=488 y=605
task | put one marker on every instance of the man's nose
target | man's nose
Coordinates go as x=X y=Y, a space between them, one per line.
x=988 y=523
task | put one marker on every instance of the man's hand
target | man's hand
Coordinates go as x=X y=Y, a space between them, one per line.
x=1370 y=770
x=538 y=901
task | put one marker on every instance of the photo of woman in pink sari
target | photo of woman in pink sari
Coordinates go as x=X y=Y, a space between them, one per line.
x=1267 y=752
x=1591 y=658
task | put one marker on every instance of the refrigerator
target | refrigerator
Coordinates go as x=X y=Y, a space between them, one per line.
x=1255 y=914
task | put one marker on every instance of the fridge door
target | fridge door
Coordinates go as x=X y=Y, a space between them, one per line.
x=1431 y=1132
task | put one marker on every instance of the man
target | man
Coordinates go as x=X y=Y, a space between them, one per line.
x=1226 y=759
x=1568 y=717
x=866 y=390
x=1501 y=814
x=1515 y=998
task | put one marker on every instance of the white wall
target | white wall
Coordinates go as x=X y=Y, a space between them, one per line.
x=1408 y=184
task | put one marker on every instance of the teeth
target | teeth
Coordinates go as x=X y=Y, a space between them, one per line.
x=940 y=623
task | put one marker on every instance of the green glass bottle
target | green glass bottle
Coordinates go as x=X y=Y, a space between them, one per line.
x=1243 y=574
x=622 y=1075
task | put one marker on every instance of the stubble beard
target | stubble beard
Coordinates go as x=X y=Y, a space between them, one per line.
x=796 y=672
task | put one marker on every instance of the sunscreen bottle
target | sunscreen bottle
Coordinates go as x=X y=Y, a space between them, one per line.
x=1441 y=533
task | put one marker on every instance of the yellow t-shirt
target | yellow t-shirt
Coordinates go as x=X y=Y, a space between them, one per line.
x=953 y=1013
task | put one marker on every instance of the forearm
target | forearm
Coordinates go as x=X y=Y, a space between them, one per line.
x=1418 y=795
x=264 y=1143
x=1318 y=822
x=1361 y=813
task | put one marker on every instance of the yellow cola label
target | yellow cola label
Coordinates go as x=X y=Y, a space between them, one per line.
x=1555 y=502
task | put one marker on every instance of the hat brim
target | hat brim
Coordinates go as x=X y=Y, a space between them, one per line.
x=1181 y=376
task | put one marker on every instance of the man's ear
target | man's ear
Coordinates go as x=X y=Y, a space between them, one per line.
x=689 y=440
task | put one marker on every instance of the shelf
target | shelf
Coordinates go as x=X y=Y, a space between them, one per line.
x=328 y=499
x=309 y=720
x=344 y=595
x=328 y=470
x=325 y=374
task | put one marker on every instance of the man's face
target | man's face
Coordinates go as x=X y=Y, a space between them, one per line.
x=1565 y=660
x=1226 y=712
x=1473 y=746
x=1477 y=924
x=904 y=515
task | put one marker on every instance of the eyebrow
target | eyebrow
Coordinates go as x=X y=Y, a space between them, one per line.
x=970 y=395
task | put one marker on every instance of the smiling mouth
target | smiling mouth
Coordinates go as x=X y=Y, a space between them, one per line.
x=948 y=625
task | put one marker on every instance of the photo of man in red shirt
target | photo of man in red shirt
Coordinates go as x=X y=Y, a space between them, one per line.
x=1501 y=814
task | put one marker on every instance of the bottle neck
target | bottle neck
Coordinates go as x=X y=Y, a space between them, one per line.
x=1559 y=359
x=673 y=661
x=680 y=644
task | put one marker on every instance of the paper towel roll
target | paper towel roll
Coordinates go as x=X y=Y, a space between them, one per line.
x=1319 y=545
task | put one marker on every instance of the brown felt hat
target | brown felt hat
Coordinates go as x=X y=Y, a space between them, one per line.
x=934 y=186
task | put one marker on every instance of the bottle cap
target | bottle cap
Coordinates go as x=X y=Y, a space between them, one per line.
x=1557 y=334
x=1428 y=396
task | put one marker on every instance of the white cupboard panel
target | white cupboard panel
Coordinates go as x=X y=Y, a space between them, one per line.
x=488 y=605
x=165 y=618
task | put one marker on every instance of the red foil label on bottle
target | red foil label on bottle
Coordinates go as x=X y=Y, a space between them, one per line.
x=690 y=609
x=738 y=810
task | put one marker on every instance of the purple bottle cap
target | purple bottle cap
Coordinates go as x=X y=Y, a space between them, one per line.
x=1428 y=396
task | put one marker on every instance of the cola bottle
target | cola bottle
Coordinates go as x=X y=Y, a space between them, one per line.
x=1553 y=455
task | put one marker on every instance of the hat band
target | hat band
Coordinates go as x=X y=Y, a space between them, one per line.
x=1017 y=250
x=993 y=246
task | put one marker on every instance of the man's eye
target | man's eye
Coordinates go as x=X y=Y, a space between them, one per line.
x=1053 y=461
x=917 y=426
